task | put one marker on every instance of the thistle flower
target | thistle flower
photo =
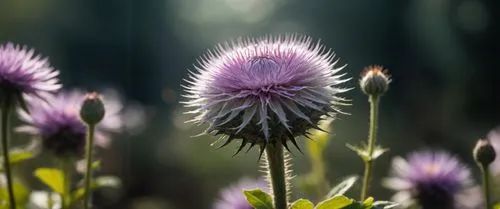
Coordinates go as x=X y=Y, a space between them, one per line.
x=265 y=90
x=22 y=72
x=57 y=123
x=233 y=197
x=433 y=180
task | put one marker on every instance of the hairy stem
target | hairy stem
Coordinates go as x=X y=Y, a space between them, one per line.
x=372 y=138
x=486 y=185
x=88 y=158
x=276 y=168
x=7 y=105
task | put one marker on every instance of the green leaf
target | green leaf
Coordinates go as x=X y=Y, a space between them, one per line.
x=360 y=151
x=364 y=154
x=378 y=152
x=16 y=157
x=302 y=204
x=97 y=183
x=385 y=204
x=336 y=202
x=259 y=199
x=52 y=177
x=497 y=206
x=343 y=186
x=21 y=194
x=368 y=203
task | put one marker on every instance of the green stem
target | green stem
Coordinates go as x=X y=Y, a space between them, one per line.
x=486 y=185
x=374 y=102
x=276 y=168
x=66 y=167
x=5 y=129
x=88 y=158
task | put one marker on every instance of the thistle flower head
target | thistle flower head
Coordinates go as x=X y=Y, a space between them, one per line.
x=433 y=180
x=265 y=90
x=233 y=197
x=22 y=72
x=374 y=80
x=56 y=121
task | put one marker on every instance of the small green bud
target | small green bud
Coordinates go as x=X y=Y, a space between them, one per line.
x=374 y=80
x=92 y=111
x=484 y=153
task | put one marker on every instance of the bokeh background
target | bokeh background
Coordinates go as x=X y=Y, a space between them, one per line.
x=442 y=54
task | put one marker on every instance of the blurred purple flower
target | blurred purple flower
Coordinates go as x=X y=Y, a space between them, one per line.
x=24 y=72
x=265 y=90
x=434 y=180
x=57 y=122
x=233 y=197
x=494 y=137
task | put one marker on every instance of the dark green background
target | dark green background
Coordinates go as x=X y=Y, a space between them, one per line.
x=442 y=54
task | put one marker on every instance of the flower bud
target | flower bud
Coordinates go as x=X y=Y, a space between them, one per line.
x=374 y=80
x=484 y=153
x=92 y=111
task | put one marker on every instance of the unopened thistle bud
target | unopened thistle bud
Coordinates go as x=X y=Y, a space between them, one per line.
x=484 y=153
x=374 y=80
x=92 y=111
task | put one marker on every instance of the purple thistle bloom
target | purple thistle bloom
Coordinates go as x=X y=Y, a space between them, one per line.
x=433 y=180
x=24 y=72
x=265 y=90
x=57 y=122
x=233 y=197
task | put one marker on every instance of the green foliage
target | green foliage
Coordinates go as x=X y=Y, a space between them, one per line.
x=343 y=187
x=21 y=193
x=497 y=206
x=336 y=202
x=97 y=183
x=16 y=157
x=302 y=204
x=54 y=178
x=259 y=199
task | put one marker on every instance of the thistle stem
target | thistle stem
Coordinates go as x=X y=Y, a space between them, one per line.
x=66 y=195
x=374 y=103
x=276 y=167
x=5 y=129
x=486 y=185
x=88 y=158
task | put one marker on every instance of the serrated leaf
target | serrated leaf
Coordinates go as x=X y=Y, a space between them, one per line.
x=343 y=186
x=51 y=177
x=336 y=202
x=385 y=204
x=259 y=199
x=97 y=183
x=302 y=204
